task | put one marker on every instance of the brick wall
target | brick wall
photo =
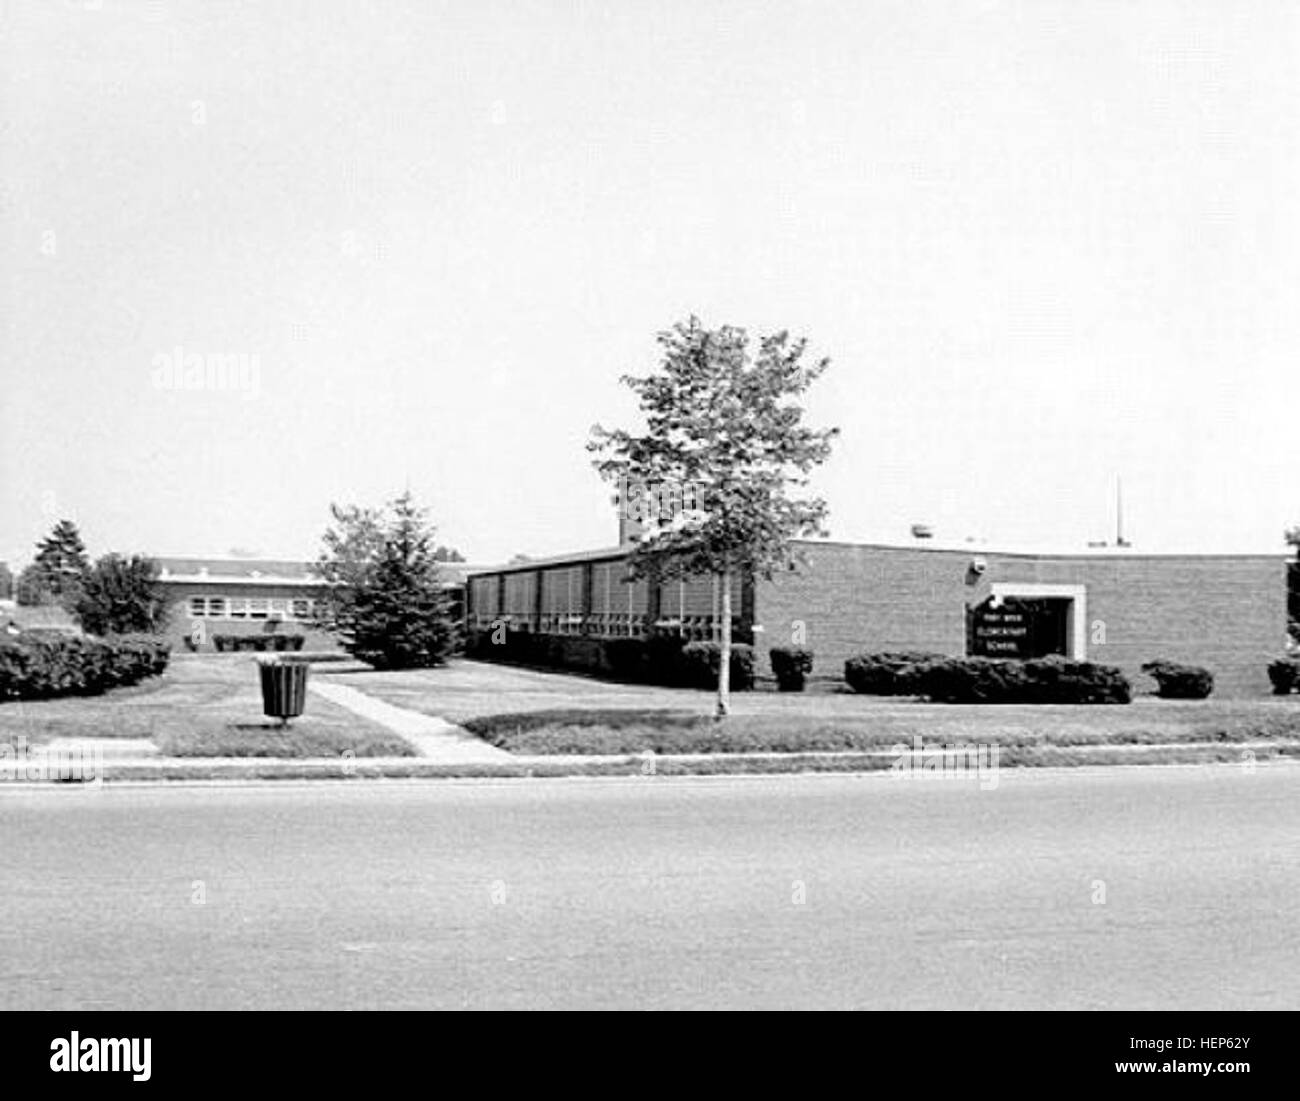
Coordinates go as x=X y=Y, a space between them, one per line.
x=850 y=599
x=1227 y=613
x=180 y=623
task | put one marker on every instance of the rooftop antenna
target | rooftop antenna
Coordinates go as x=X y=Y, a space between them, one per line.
x=1120 y=541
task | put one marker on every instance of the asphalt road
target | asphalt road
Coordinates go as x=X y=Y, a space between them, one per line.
x=838 y=892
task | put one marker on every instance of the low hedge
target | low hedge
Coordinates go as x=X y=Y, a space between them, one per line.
x=1176 y=681
x=38 y=664
x=1284 y=675
x=662 y=658
x=791 y=666
x=890 y=673
x=261 y=643
x=1042 y=680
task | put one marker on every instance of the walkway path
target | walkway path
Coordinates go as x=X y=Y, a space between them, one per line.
x=433 y=737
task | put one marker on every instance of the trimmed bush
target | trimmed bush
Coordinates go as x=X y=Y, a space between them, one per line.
x=661 y=658
x=1175 y=681
x=701 y=662
x=891 y=673
x=626 y=658
x=791 y=666
x=1284 y=675
x=666 y=661
x=1042 y=680
x=44 y=664
x=257 y=643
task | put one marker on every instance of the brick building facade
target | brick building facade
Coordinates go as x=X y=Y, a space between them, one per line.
x=1226 y=612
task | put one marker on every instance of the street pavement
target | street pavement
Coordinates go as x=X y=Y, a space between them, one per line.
x=1135 y=888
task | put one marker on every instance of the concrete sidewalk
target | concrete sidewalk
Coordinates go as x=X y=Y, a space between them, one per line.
x=435 y=738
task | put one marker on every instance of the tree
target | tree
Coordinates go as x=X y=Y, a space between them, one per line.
x=352 y=545
x=448 y=554
x=386 y=600
x=6 y=582
x=60 y=563
x=31 y=589
x=724 y=443
x=120 y=595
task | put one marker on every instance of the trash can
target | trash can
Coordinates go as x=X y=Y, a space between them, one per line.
x=284 y=689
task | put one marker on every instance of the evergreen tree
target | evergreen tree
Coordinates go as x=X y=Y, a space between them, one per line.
x=120 y=595
x=60 y=562
x=386 y=601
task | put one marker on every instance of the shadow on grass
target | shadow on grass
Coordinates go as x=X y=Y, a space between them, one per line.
x=521 y=722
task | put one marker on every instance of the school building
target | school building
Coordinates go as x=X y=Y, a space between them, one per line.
x=250 y=596
x=1227 y=612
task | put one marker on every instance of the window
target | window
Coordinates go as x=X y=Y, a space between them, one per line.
x=238 y=608
x=258 y=608
x=300 y=609
x=211 y=607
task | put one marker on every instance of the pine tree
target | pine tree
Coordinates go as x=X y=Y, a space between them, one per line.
x=120 y=595
x=387 y=601
x=61 y=562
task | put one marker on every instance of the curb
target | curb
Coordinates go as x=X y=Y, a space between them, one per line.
x=925 y=765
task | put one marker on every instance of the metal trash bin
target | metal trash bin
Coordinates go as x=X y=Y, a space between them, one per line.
x=284 y=689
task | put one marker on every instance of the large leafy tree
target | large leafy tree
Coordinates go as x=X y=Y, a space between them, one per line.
x=724 y=431
x=60 y=564
x=385 y=599
x=120 y=595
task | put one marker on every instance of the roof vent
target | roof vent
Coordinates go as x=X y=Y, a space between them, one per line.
x=922 y=531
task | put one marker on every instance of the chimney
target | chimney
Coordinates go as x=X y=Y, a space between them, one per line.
x=629 y=530
x=630 y=503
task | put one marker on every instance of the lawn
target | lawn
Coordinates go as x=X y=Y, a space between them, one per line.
x=531 y=712
x=203 y=706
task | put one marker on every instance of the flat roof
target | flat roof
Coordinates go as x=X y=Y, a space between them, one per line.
x=930 y=545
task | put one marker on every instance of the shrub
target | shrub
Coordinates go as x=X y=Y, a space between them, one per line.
x=701 y=662
x=626 y=658
x=791 y=666
x=892 y=673
x=1285 y=675
x=258 y=643
x=1042 y=680
x=660 y=658
x=1175 y=681
x=45 y=664
x=666 y=661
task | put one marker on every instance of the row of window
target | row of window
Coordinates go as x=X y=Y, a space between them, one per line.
x=220 y=607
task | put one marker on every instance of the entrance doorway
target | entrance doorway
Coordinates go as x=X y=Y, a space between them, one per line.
x=1028 y=621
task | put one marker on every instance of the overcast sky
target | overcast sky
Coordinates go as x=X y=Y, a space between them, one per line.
x=1043 y=243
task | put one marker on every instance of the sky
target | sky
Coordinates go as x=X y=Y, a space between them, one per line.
x=1045 y=245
